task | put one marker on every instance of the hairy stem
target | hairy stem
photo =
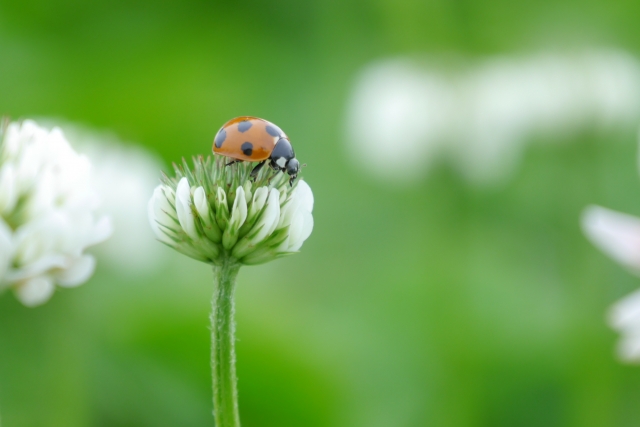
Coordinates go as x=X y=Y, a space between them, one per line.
x=223 y=355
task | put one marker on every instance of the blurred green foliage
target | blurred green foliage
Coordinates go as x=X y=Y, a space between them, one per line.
x=440 y=304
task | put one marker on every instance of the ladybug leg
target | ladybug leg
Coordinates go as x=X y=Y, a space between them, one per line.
x=254 y=172
x=233 y=161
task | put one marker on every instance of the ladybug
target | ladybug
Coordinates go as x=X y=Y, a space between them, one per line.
x=253 y=139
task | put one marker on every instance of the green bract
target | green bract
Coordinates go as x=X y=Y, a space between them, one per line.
x=214 y=212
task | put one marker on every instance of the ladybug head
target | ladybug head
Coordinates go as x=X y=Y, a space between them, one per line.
x=293 y=167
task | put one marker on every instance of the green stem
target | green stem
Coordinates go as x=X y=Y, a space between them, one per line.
x=223 y=355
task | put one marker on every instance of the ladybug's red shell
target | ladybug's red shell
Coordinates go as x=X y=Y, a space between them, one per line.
x=247 y=138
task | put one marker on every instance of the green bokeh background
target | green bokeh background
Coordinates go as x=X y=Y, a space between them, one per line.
x=441 y=304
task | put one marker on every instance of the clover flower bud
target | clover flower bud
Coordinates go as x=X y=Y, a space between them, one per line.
x=213 y=211
x=224 y=215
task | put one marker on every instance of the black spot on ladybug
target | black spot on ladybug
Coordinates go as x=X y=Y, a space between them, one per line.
x=247 y=148
x=272 y=130
x=220 y=137
x=244 y=125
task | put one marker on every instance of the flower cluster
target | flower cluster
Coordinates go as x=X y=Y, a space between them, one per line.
x=47 y=213
x=217 y=211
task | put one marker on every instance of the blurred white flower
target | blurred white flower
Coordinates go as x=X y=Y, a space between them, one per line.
x=216 y=212
x=123 y=176
x=47 y=213
x=618 y=235
x=404 y=115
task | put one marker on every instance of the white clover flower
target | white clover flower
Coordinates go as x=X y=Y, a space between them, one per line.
x=215 y=211
x=481 y=115
x=47 y=213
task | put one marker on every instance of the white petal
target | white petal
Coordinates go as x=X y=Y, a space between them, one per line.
x=35 y=291
x=39 y=238
x=202 y=205
x=78 y=272
x=38 y=267
x=159 y=210
x=183 y=208
x=295 y=233
x=153 y=222
x=626 y=312
x=274 y=203
x=259 y=199
x=247 y=191
x=102 y=230
x=269 y=218
x=289 y=211
x=615 y=233
x=306 y=226
x=624 y=317
x=301 y=199
x=239 y=211
x=304 y=193
x=56 y=232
